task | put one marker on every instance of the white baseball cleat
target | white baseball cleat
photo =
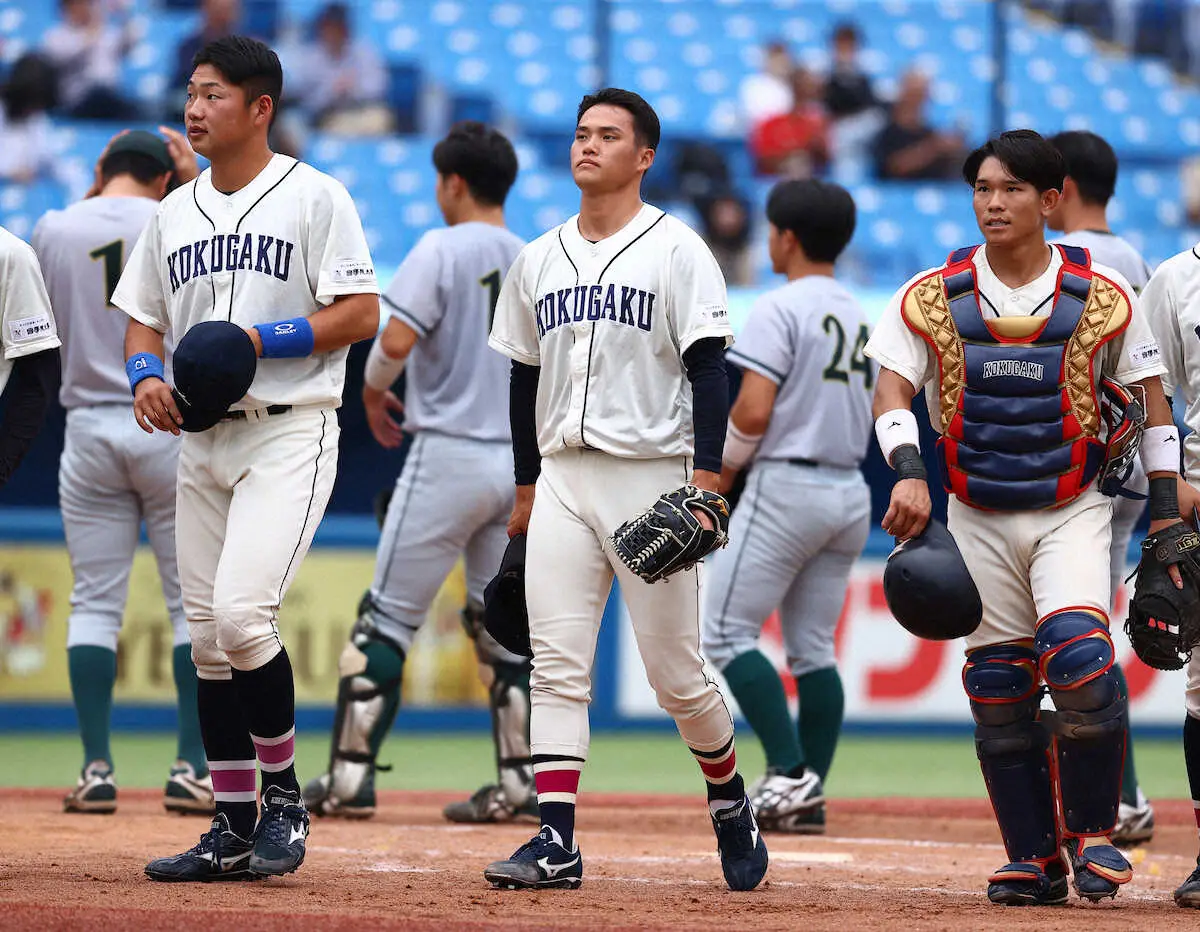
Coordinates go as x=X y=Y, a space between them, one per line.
x=785 y=804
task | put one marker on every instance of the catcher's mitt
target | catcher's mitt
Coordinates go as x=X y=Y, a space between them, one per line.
x=1164 y=622
x=667 y=538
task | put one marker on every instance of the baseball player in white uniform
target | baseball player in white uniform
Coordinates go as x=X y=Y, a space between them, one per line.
x=114 y=477
x=1013 y=339
x=805 y=514
x=616 y=324
x=1081 y=215
x=277 y=247
x=454 y=494
x=29 y=361
x=1171 y=304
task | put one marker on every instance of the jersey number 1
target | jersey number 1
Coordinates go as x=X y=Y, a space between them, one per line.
x=858 y=362
x=491 y=282
x=113 y=255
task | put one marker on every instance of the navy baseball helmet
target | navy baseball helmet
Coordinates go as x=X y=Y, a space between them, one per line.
x=505 y=615
x=213 y=367
x=929 y=589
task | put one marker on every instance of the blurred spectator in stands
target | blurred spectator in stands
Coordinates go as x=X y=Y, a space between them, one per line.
x=726 y=229
x=29 y=92
x=767 y=93
x=794 y=144
x=908 y=148
x=219 y=18
x=87 y=51
x=339 y=82
x=855 y=114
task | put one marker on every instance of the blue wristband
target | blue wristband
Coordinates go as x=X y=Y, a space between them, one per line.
x=143 y=366
x=286 y=338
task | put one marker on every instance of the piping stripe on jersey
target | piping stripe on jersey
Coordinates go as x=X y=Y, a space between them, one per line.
x=576 y=268
x=414 y=454
x=420 y=328
x=587 y=379
x=311 y=496
x=734 y=357
x=211 y=284
x=238 y=229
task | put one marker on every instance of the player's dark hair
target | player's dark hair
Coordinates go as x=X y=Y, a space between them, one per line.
x=846 y=31
x=1027 y=155
x=821 y=216
x=1090 y=162
x=143 y=168
x=482 y=157
x=646 y=128
x=245 y=63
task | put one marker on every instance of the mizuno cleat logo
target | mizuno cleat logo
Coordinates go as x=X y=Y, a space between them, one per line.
x=553 y=870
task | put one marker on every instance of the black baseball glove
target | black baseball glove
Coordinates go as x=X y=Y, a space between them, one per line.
x=1164 y=622
x=668 y=538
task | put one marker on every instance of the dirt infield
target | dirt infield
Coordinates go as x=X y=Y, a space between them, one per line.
x=649 y=863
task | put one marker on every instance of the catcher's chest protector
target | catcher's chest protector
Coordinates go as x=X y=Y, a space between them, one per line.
x=1019 y=408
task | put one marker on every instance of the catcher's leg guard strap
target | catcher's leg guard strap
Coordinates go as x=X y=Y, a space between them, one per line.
x=1013 y=749
x=508 y=700
x=1073 y=647
x=1089 y=748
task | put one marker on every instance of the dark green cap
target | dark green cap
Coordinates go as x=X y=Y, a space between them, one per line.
x=149 y=144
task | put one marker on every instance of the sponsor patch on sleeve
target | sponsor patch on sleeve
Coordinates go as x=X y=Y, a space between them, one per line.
x=352 y=272
x=714 y=313
x=30 y=328
x=1144 y=353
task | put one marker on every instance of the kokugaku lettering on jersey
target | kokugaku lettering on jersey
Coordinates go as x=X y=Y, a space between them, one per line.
x=287 y=244
x=608 y=323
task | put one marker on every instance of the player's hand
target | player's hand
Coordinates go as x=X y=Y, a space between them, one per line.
x=710 y=482
x=1155 y=527
x=379 y=407
x=518 y=521
x=908 y=511
x=186 y=166
x=153 y=406
x=97 y=178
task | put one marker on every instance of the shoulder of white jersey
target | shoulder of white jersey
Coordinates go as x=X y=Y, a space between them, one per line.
x=1105 y=271
x=683 y=234
x=184 y=194
x=12 y=246
x=305 y=174
x=1182 y=264
x=49 y=223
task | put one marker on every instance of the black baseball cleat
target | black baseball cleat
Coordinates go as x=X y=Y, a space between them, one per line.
x=1100 y=869
x=1187 y=894
x=219 y=855
x=279 y=837
x=1024 y=883
x=741 y=846
x=541 y=863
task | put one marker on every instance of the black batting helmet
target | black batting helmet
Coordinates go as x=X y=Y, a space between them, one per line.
x=929 y=589
x=505 y=615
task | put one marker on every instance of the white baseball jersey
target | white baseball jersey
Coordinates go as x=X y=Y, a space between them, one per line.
x=25 y=317
x=241 y=257
x=82 y=250
x=808 y=337
x=446 y=290
x=1128 y=358
x=1113 y=251
x=1172 y=305
x=608 y=323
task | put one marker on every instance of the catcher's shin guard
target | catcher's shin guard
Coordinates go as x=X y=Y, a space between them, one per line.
x=1013 y=749
x=1076 y=657
x=506 y=676
x=366 y=708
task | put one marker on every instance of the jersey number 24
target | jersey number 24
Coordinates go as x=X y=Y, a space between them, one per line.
x=858 y=362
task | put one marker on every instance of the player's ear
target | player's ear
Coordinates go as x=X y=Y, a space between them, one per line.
x=646 y=158
x=264 y=109
x=1050 y=199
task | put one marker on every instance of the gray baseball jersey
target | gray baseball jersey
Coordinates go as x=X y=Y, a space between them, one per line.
x=26 y=321
x=808 y=337
x=82 y=250
x=1113 y=251
x=446 y=290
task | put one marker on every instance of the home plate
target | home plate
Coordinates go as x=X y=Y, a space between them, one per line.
x=812 y=857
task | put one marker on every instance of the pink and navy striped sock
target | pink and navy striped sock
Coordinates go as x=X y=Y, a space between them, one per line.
x=268 y=696
x=557 y=782
x=277 y=759
x=724 y=783
x=235 y=793
x=230 y=753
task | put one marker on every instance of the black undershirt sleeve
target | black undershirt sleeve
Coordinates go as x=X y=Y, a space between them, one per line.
x=522 y=402
x=31 y=385
x=705 y=365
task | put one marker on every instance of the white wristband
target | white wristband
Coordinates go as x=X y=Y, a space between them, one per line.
x=739 y=447
x=382 y=370
x=894 y=429
x=1159 y=450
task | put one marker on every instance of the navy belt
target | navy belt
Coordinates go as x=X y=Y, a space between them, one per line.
x=270 y=409
x=801 y=461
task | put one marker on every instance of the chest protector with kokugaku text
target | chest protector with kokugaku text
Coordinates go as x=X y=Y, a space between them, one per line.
x=1020 y=414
